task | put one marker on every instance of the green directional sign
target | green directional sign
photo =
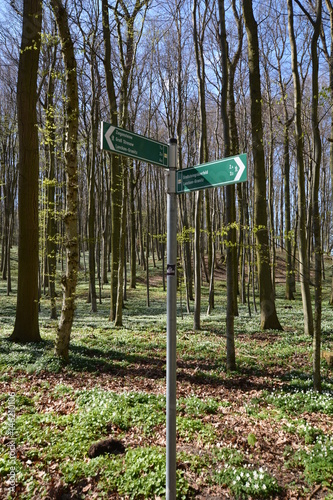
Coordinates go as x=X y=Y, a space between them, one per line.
x=217 y=173
x=125 y=143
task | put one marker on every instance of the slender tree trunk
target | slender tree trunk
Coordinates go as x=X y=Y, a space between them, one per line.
x=148 y=205
x=198 y=39
x=290 y=275
x=303 y=259
x=330 y=63
x=105 y=230
x=186 y=253
x=69 y=279
x=197 y=260
x=116 y=182
x=91 y=238
x=127 y=60
x=51 y=245
x=285 y=203
x=271 y=187
x=132 y=229
x=269 y=319
x=141 y=249
x=230 y=200
x=120 y=292
x=9 y=243
x=92 y=204
x=235 y=150
x=187 y=257
x=209 y=233
x=6 y=239
x=26 y=328
x=315 y=198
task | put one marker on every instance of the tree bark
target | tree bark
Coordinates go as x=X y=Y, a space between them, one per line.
x=304 y=267
x=133 y=228
x=230 y=199
x=235 y=150
x=290 y=274
x=105 y=229
x=197 y=261
x=26 y=328
x=118 y=321
x=269 y=319
x=69 y=279
x=315 y=196
x=92 y=204
x=127 y=60
x=203 y=157
x=51 y=245
x=329 y=58
x=116 y=185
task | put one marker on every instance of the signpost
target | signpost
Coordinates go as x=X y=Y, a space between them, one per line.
x=171 y=368
x=216 y=173
x=125 y=143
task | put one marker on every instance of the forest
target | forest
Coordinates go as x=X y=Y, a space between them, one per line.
x=83 y=284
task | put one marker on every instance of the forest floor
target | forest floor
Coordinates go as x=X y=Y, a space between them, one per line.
x=258 y=432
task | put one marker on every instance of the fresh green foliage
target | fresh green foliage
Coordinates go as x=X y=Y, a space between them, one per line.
x=61 y=390
x=251 y=439
x=138 y=474
x=317 y=461
x=245 y=482
x=228 y=456
x=197 y=407
x=32 y=357
x=295 y=402
x=143 y=475
x=194 y=429
x=302 y=382
x=144 y=411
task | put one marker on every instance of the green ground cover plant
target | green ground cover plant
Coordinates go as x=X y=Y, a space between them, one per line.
x=258 y=432
x=244 y=482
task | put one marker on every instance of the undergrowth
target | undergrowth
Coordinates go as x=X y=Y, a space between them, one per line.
x=115 y=380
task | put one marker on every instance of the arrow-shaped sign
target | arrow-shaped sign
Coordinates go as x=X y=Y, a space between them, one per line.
x=107 y=136
x=242 y=168
x=125 y=143
x=216 y=173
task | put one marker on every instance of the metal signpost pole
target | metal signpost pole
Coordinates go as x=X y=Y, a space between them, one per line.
x=171 y=323
x=217 y=173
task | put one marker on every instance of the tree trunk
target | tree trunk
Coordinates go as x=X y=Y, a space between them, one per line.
x=51 y=246
x=127 y=60
x=26 y=327
x=9 y=243
x=330 y=63
x=198 y=39
x=285 y=203
x=230 y=200
x=105 y=229
x=269 y=319
x=315 y=198
x=197 y=261
x=92 y=204
x=132 y=229
x=69 y=280
x=271 y=185
x=235 y=150
x=186 y=250
x=116 y=201
x=91 y=238
x=303 y=259
x=118 y=321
